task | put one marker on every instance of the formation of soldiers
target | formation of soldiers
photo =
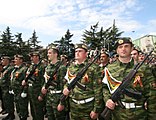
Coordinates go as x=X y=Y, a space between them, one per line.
x=37 y=84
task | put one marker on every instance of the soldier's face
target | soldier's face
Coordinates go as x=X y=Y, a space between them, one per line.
x=134 y=54
x=34 y=58
x=51 y=55
x=17 y=61
x=103 y=58
x=124 y=50
x=80 y=54
x=4 y=62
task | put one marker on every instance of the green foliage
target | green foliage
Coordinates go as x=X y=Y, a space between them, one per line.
x=94 y=38
x=14 y=44
x=65 y=46
x=101 y=39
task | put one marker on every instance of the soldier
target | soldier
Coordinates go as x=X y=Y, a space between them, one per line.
x=134 y=109
x=135 y=55
x=104 y=59
x=17 y=76
x=2 y=103
x=35 y=84
x=141 y=56
x=8 y=98
x=54 y=91
x=84 y=105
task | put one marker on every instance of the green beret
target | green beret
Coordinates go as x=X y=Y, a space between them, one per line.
x=5 y=57
x=18 y=56
x=105 y=52
x=35 y=54
x=123 y=40
x=53 y=47
x=83 y=46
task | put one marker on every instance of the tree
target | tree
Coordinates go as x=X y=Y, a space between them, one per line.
x=114 y=34
x=65 y=46
x=90 y=37
x=6 y=43
x=101 y=39
x=33 y=42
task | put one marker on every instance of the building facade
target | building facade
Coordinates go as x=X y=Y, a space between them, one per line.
x=145 y=43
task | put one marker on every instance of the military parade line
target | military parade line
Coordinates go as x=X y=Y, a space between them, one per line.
x=91 y=86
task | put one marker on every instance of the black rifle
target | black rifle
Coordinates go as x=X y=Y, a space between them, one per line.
x=29 y=76
x=32 y=71
x=79 y=75
x=122 y=88
x=50 y=80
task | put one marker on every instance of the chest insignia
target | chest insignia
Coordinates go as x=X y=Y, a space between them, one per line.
x=111 y=82
x=69 y=77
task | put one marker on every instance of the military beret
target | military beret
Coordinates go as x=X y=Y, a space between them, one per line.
x=34 y=54
x=83 y=46
x=5 y=57
x=123 y=40
x=105 y=52
x=53 y=47
x=65 y=56
x=18 y=56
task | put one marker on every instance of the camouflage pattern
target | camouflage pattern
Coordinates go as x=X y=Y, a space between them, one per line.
x=17 y=76
x=54 y=98
x=92 y=80
x=34 y=87
x=151 y=101
x=8 y=99
x=142 y=83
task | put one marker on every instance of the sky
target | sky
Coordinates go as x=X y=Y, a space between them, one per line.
x=52 y=18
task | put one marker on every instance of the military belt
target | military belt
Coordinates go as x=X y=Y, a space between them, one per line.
x=55 y=91
x=83 y=101
x=130 y=105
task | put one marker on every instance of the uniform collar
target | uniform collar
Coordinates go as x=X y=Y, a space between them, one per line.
x=130 y=63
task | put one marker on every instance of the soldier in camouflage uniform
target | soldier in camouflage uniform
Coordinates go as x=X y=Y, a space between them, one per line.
x=8 y=98
x=54 y=91
x=115 y=72
x=35 y=84
x=84 y=105
x=17 y=76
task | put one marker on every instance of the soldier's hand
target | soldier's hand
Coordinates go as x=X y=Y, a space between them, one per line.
x=43 y=90
x=40 y=98
x=60 y=107
x=110 y=104
x=93 y=115
x=24 y=83
x=66 y=91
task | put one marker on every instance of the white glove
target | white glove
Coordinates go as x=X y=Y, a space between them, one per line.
x=23 y=95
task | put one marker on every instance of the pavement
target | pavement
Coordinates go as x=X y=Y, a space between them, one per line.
x=16 y=116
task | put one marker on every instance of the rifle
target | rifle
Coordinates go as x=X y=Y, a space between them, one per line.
x=23 y=94
x=32 y=71
x=79 y=75
x=50 y=80
x=122 y=88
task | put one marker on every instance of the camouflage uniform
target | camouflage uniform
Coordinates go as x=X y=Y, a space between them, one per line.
x=151 y=105
x=17 y=75
x=34 y=87
x=54 y=92
x=83 y=102
x=8 y=99
x=135 y=109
